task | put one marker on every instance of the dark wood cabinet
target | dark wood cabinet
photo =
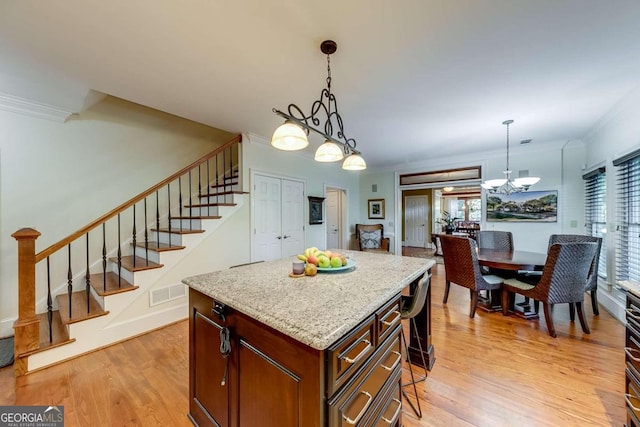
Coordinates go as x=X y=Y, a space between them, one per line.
x=274 y=380
x=632 y=361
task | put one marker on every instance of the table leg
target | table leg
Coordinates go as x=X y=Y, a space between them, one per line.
x=490 y=300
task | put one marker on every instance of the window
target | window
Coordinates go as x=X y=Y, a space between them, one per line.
x=628 y=217
x=595 y=210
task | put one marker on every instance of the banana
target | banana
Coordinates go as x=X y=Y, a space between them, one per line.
x=302 y=257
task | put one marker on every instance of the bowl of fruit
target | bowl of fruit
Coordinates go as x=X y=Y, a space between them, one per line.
x=325 y=261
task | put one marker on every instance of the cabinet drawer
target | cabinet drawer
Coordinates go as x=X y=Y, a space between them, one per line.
x=356 y=402
x=390 y=406
x=387 y=318
x=349 y=354
x=632 y=397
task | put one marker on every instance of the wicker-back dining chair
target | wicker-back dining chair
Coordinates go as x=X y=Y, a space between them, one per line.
x=566 y=270
x=462 y=268
x=494 y=239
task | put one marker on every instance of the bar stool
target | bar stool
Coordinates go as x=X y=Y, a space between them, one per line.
x=411 y=306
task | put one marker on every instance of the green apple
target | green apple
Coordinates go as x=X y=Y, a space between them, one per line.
x=324 y=262
x=336 y=262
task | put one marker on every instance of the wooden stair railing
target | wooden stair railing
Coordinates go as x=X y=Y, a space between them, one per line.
x=219 y=170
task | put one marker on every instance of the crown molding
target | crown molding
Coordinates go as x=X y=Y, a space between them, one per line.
x=18 y=105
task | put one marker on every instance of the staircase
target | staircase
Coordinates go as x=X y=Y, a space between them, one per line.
x=105 y=301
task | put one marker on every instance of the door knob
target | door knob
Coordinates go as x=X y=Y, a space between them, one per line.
x=278 y=237
x=285 y=236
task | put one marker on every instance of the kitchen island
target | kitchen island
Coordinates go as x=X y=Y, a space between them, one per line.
x=270 y=350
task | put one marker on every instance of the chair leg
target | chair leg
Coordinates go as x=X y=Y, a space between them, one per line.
x=447 y=285
x=572 y=312
x=474 y=303
x=536 y=306
x=583 y=320
x=547 y=316
x=418 y=410
x=594 y=302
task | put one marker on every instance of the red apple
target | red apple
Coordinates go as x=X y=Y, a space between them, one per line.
x=312 y=259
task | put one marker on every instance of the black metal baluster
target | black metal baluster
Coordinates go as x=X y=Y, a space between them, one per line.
x=119 y=256
x=69 y=280
x=146 y=234
x=49 y=302
x=169 y=209
x=134 y=235
x=179 y=201
x=190 y=204
x=104 y=257
x=88 y=279
x=208 y=189
x=224 y=170
x=158 y=217
x=231 y=168
x=217 y=179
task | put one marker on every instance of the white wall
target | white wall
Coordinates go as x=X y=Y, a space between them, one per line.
x=259 y=156
x=57 y=177
x=559 y=165
x=383 y=182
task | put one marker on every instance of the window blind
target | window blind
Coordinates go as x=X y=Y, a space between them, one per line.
x=628 y=218
x=595 y=189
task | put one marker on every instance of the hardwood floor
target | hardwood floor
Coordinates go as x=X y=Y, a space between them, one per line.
x=489 y=371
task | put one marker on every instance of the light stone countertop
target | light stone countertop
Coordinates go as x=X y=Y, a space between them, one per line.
x=317 y=310
x=632 y=287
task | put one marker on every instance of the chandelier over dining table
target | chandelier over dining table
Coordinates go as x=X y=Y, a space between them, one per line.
x=292 y=134
x=506 y=185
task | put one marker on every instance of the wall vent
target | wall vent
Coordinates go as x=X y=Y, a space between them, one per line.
x=169 y=293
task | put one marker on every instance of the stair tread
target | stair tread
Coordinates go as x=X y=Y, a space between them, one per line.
x=78 y=307
x=140 y=263
x=228 y=184
x=59 y=332
x=197 y=217
x=204 y=205
x=159 y=247
x=223 y=193
x=178 y=230
x=98 y=284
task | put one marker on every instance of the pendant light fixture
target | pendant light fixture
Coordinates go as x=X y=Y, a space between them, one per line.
x=506 y=185
x=292 y=135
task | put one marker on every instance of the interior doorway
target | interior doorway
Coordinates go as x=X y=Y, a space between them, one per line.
x=416 y=221
x=336 y=217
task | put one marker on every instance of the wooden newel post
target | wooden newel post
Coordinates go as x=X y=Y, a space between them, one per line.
x=27 y=327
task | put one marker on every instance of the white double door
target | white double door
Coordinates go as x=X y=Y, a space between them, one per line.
x=278 y=218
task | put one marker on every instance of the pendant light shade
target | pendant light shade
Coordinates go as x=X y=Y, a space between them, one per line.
x=328 y=152
x=354 y=162
x=289 y=137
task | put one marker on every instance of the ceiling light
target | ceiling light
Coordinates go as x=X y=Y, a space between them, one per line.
x=447 y=189
x=328 y=152
x=292 y=135
x=506 y=185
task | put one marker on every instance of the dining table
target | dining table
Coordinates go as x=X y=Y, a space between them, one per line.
x=509 y=262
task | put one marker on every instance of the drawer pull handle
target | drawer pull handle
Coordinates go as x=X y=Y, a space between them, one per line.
x=395 y=415
x=362 y=411
x=628 y=350
x=631 y=313
x=360 y=355
x=395 y=319
x=394 y=363
x=627 y=397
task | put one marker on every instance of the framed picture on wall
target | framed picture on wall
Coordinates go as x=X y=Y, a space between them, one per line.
x=528 y=206
x=315 y=209
x=376 y=208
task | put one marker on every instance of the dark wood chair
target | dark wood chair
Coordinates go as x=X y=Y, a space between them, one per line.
x=370 y=237
x=462 y=268
x=567 y=269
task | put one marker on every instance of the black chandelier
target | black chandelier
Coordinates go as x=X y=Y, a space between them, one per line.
x=292 y=135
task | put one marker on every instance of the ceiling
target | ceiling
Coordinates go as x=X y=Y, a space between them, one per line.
x=412 y=78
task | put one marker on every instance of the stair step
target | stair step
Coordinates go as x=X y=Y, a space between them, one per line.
x=197 y=217
x=228 y=184
x=178 y=230
x=59 y=330
x=159 y=247
x=223 y=193
x=140 y=263
x=78 y=307
x=204 y=205
x=97 y=283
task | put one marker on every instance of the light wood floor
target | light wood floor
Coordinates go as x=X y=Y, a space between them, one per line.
x=489 y=371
